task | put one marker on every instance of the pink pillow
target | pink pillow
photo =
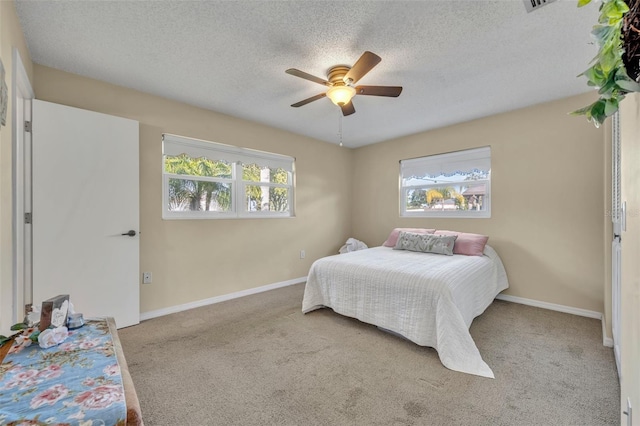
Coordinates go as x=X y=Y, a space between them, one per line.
x=467 y=244
x=393 y=236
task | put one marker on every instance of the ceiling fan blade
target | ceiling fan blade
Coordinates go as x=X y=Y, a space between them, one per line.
x=307 y=76
x=391 y=91
x=348 y=109
x=308 y=100
x=362 y=66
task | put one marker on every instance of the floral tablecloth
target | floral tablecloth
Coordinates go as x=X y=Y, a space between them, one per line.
x=75 y=383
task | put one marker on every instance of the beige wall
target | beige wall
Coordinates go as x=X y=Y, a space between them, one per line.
x=630 y=329
x=547 y=197
x=551 y=244
x=198 y=259
x=11 y=37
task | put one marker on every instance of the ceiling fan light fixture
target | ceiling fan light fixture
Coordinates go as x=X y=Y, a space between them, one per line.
x=341 y=95
x=341 y=80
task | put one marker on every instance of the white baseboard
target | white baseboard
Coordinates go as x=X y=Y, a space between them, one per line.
x=550 y=306
x=218 y=299
x=606 y=341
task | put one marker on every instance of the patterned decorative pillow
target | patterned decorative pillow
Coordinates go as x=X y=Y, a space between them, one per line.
x=393 y=236
x=426 y=243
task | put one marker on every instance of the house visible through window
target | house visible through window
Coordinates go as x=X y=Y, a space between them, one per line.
x=455 y=184
x=204 y=180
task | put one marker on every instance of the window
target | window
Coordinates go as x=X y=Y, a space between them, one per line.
x=206 y=180
x=456 y=184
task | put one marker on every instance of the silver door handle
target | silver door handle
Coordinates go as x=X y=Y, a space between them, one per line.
x=131 y=233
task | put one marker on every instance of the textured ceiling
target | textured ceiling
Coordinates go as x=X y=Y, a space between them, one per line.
x=457 y=60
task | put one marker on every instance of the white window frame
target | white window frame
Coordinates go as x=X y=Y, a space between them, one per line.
x=446 y=164
x=173 y=145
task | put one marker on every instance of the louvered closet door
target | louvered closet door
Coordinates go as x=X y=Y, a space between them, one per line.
x=616 y=247
x=85 y=196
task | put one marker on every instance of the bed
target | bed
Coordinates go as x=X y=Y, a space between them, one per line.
x=430 y=299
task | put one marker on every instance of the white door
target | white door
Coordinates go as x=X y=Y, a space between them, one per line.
x=85 y=196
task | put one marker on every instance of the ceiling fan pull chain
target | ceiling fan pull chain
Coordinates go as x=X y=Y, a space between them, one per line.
x=340 y=127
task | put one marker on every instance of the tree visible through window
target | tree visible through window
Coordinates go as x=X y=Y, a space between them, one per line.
x=209 y=180
x=456 y=184
x=266 y=198
x=192 y=194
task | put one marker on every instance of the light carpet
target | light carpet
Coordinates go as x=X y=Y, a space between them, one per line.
x=258 y=360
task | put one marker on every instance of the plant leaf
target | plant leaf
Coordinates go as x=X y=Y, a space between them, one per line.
x=582 y=111
x=606 y=91
x=612 y=11
x=607 y=71
x=595 y=76
x=610 y=106
x=609 y=59
x=625 y=83
x=597 y=112
x=601 y=32
x=598 y=107
x=621 y=6
x=629 y=86
x=19 y=326
x=34 y=336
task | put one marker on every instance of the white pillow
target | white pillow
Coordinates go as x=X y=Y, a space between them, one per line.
x=426 y=243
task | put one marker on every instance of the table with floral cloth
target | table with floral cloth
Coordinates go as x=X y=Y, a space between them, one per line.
x=75 y=383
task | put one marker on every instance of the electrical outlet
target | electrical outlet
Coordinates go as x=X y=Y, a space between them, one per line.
x=146 y=278
x=302 y=254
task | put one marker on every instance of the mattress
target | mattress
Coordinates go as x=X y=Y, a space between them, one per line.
x=430 y=299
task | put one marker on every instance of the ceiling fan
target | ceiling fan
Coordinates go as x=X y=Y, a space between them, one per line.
x=340 y=80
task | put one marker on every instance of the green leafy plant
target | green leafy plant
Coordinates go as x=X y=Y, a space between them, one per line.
x=21 y=328
x=607 y=71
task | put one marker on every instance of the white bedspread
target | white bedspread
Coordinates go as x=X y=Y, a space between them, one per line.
x=430 y=299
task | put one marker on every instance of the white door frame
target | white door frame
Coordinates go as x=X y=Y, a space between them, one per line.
x=21 y=187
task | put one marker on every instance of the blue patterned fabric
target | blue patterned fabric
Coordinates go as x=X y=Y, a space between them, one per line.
x=75 y=383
